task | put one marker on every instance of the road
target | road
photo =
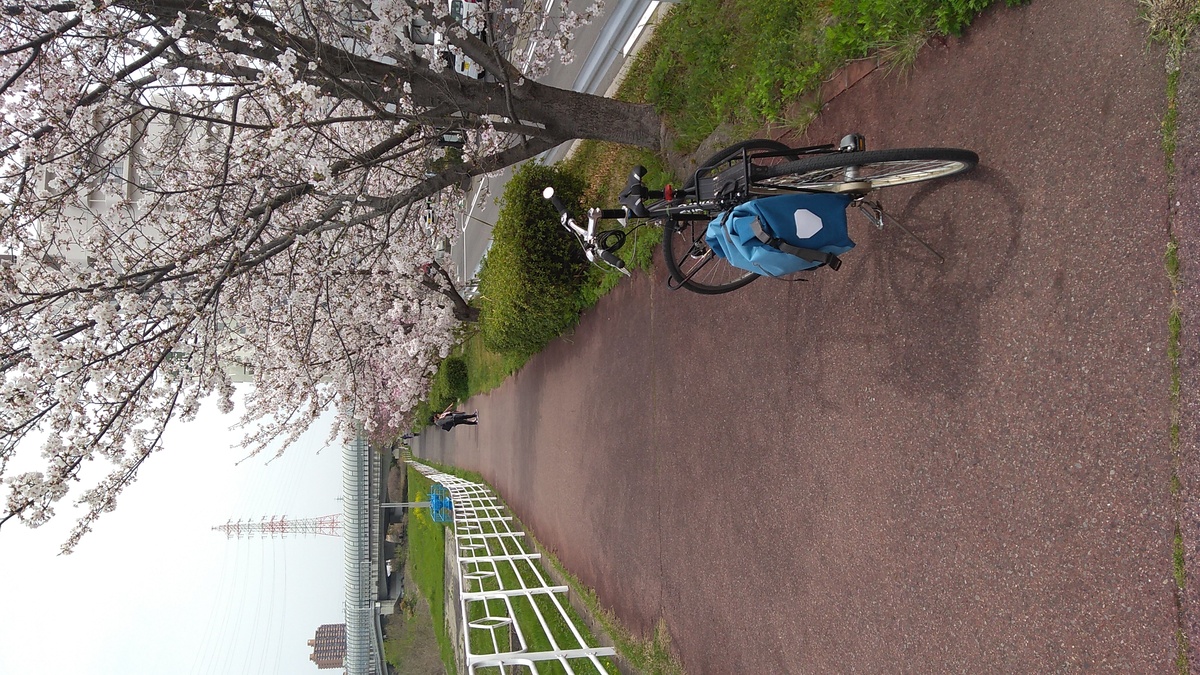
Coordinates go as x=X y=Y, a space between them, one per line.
x=900 y=466
x=599 y=55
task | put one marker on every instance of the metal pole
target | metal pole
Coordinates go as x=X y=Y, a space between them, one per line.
x=463 y=239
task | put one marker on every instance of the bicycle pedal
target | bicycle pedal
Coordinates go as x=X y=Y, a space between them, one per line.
x=852 y=143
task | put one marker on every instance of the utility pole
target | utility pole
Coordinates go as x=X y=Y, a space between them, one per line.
x=330 y=526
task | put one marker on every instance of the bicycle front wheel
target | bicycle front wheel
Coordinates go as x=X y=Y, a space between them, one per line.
x=693 y=265
x=863 y=171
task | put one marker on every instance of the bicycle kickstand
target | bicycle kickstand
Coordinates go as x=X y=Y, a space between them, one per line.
x=877 y=216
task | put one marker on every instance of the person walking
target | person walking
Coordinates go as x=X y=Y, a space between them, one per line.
x=450 y=418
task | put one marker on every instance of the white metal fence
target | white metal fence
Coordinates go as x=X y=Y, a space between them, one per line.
x=510 y=614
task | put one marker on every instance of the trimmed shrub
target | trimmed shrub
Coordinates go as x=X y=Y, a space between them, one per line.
x=448 y=387
x=529 y=286
x=455 y=369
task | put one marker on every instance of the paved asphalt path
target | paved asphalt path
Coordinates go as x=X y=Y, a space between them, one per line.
x=897 y=466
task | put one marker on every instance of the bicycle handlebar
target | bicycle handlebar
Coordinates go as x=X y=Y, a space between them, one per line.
x=587 y=237
x=548 y=193
x=634 y=194
x=593 y=214
x=612 y=260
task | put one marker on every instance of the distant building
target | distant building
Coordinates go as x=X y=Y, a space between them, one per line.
x=109 y=208
x=329 y=646
x=103 y=194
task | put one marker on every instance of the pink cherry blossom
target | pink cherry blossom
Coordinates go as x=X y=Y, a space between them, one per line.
x=200 y=192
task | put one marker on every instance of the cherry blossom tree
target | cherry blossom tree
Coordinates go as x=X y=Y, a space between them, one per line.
x=202 y=191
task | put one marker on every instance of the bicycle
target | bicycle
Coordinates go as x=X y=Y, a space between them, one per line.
x=750 y=170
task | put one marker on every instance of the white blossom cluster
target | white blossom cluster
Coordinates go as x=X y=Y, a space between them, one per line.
x=230 y=190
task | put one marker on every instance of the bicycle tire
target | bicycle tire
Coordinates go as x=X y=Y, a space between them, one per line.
x=683 y=242
x=872 y=169
x=693 y=265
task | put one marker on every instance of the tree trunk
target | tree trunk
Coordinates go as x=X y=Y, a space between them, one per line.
x=546 y=112
x=578 y=115
x=462 y=311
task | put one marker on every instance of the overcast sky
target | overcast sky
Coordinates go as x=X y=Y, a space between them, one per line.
x=153 y=590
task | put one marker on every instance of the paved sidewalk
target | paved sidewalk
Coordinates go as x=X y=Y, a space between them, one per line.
x=897 y=466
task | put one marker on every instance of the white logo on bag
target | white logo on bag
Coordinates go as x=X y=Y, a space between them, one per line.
x=807 y=223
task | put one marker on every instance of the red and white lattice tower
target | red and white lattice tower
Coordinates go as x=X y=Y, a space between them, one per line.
x=282 y=525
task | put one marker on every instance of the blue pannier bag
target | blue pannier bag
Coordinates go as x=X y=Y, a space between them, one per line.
x=775 y=236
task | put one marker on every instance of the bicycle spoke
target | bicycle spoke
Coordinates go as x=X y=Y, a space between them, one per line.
x=703 y=260
x=693 y=265
x=865 y=170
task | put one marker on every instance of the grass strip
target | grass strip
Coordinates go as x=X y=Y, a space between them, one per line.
x=1178 y=553
x=1174 y=352
x=1170 y=124
x=427 y=560
x=1170 y=23
x=769 y=55
x=427 y=553
x=1181 y=656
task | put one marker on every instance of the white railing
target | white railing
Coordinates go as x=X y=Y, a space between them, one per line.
x=507 y=605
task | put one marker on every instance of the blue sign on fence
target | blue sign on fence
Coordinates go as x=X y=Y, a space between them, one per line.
x=441 y=507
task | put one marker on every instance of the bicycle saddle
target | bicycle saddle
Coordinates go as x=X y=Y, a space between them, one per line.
x=634 y=195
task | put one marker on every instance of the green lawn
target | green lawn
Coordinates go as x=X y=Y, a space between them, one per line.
x=770 y=54
x=485 y=370
x=527 y=614
x=427 y=558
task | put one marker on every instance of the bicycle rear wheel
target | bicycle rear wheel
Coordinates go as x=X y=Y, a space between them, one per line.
x=690 y=262
x=863 y=171
x=693 y=265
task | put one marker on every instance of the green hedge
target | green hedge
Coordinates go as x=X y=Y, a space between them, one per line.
x=449 y=386
x=529 y=286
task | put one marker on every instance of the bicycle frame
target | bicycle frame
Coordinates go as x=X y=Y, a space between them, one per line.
x=740 y=164
x=592 y=247
x=752 y=169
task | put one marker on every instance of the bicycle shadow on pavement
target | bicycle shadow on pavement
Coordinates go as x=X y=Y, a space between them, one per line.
x=928 y=312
